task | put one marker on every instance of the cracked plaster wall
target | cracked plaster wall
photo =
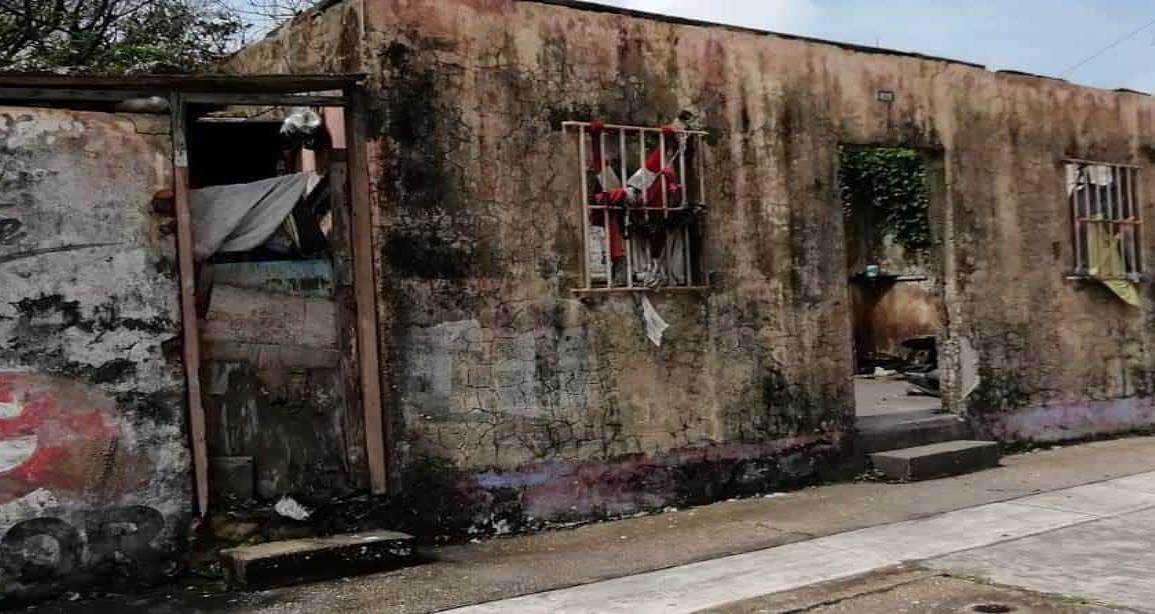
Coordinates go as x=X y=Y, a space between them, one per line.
x=94 y=471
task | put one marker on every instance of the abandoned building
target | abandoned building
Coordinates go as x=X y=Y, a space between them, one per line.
x=508 y=263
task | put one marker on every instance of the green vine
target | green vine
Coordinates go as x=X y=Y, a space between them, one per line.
x=890 y=182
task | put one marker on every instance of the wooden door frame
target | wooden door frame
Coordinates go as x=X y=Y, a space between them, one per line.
x=377 y=431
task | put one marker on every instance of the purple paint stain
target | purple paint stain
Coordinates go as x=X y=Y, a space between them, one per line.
x=1070 y=421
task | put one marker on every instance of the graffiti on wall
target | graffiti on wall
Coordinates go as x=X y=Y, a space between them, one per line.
x=60 y=442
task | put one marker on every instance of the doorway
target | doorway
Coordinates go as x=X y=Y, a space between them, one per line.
x=893 y=265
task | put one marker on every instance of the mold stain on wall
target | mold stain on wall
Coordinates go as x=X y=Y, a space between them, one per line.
x=524 y=397
x=94 y=476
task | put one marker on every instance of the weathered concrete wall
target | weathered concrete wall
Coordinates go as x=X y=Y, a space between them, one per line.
x=94 y=471
x=328 y=41
x=546 y=406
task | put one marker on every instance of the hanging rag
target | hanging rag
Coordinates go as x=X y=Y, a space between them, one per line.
x=655 y=325
x=239 y=217
x=1105 y=257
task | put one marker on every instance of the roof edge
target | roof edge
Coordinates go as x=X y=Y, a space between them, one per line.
x=593 y=7
x=198 y=82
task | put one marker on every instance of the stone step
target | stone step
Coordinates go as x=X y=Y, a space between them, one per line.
x=301 y=560
x=936 y=460
x=908 y=430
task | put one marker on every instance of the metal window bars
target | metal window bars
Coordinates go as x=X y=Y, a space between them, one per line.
x=639 y=206
x=1107 y=226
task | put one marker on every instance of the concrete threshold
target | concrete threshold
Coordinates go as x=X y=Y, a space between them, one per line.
x=709 y=584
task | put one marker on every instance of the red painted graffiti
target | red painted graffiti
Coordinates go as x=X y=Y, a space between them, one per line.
x=55 y=434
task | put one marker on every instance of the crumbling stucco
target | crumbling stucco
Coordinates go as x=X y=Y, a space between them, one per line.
x=94 y=474
x=494 y=367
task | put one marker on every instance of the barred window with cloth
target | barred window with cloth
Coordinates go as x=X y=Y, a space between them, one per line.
x=642 y=195
x=1104 y=200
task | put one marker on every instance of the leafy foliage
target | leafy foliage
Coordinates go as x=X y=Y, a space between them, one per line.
x=891 y=184
x=115 y=36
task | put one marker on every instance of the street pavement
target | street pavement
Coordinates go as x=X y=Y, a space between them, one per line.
x=777 y=547
x=1095 y=541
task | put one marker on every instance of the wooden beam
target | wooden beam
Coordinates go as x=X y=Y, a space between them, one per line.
x=188 y=311
x=377 y=429
x=278 y=100
x=25 y=93
x=114 y=96
x=162 y=84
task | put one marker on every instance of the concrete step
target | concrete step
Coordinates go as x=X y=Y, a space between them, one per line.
x=300 y=560
x=908 y=430
x=936 y=460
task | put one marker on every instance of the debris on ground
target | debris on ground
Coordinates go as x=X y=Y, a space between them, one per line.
x=289 y=508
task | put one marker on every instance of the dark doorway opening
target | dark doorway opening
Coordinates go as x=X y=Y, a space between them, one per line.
x=893 y=267
x=280 y=384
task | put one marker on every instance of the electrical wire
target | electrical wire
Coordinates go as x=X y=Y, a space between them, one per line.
x=1108 y=48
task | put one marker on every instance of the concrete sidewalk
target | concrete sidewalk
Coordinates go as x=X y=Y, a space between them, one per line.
x=1121 y=510
x=457 y=576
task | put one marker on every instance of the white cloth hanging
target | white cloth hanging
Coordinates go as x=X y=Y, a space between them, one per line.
x=239 y=217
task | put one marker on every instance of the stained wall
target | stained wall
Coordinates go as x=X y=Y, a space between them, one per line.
x=540 y=404
x=95 y=483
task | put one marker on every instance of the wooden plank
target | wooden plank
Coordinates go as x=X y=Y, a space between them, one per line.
x=75 y=95
x=377 y=429
x=190 y=339
x=282 y=100
x=204 y=82
x=340 y=238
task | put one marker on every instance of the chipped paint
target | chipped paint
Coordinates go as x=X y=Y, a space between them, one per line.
x=90 y=401
x=479 y=243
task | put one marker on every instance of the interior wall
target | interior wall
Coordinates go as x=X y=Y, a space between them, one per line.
x=888 y=313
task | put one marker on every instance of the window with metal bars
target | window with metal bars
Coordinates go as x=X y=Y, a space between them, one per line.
x=642 y=197
x=1106 y=227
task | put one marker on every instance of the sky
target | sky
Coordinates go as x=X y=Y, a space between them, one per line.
x=1045 y=37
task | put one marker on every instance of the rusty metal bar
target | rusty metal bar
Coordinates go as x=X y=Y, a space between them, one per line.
x=1097 y=163
x=627 y=237
x=1077 y=216
x=1126 y=223
x=687 y=270
x=662 y=173
x=700 y=155
x=1137 y=212
x=645 y=249
x=1127 y=229
x=700 y=163
x=1117 y=215
x=608 y=257
x=569 y=124
x=1094 y=220
x=587 y=243
x=1095 y=212
x=580 y=291
x=667 y=252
